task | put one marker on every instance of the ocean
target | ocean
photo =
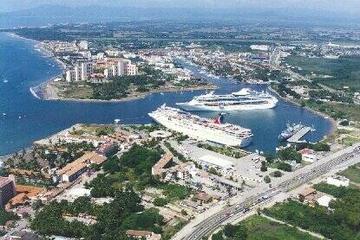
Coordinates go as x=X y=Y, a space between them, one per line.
x=24 y=118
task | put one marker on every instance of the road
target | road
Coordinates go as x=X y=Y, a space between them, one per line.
x=346 y=156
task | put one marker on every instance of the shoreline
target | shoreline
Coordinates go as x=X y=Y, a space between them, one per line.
x=44 y=91
x=47 y=92
x=333 y=122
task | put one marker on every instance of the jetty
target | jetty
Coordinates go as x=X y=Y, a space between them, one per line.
x=299 y=134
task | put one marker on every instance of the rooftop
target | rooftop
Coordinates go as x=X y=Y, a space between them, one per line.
x=216 y=161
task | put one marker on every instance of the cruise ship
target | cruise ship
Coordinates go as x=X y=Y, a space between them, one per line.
x=202 y=128
x=245 y=99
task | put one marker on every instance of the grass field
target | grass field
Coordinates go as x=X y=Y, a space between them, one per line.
x=260 y=228
x=344 y=71
x=352 y=173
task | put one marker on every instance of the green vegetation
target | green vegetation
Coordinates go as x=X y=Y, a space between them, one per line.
x=318 y=147
x=104 y=130
x=283 y=166
x=119 y=87
x=263 y=167
x=133 y=167
x=113 y=219
x=260 y=228
x=352 y=173
x=175 y=191
x=337 y=192
x=267 y=179
x=160 y=202
x=175 y=153
x=6 y=216
x=228 y=151
x=343 y=71
x=340 y=224
x=276 y=174
x=289 y=154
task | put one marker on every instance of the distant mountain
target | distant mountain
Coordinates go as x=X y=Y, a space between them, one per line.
x=50 y=14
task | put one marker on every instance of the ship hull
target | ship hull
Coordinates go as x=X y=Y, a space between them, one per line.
x=204 y=134
x=230 y=108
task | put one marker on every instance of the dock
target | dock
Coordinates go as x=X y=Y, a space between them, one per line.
x=300 y=134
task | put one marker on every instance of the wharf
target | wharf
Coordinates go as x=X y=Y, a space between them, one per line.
x=297 y=136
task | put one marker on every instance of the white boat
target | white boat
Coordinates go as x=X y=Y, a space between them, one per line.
x=245 y=99
x=202 y=128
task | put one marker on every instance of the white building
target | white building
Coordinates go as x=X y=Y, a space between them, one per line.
x=81 y=72
x=308 y=155
x=338 y=181
x=325 y=200
x=84 y=45
x=209 y=161
x=86 y=70
x=121 y=68
x=131 y=69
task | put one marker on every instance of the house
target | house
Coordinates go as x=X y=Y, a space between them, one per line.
x=325 y=200
x=73 y=170
x=307 y=195
x=157 y=169
x=138 y=234
x=7 y=190
x=203 y=197
x=308 y=155
x=338 y=181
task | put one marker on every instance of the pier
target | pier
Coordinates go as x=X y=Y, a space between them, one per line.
x=297 y=136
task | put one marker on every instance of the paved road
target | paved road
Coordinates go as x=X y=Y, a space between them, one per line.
x=300 y=177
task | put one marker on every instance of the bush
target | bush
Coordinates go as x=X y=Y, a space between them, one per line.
x=267 y=179
x=284 y=166
x=160 y=202
x=277 y=174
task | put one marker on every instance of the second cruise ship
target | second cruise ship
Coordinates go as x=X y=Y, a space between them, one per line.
x=245 y=99
x=202 y=128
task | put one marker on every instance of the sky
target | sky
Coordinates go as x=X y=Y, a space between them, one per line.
x=340 y=6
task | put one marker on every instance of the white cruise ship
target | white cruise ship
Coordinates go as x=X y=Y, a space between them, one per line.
x=202 y=128
x=245 y=99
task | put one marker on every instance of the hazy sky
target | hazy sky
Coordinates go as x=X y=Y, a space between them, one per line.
x=347 y=6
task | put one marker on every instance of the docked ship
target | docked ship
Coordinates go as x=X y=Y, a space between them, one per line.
x=202 y=128
x=291 y=129
x=245 y=99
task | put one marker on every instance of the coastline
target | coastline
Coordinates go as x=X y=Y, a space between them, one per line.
x=333 y=122
x=47 y=92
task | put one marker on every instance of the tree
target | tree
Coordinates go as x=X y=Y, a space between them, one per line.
x=241 y=232
x=160 y=201
x=218 y=236
x=230 y=230
x=267 y=179
x=263 y=167
x=277 y=174
x=289 y=153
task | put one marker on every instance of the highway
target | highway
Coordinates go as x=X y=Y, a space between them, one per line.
x=299 y=178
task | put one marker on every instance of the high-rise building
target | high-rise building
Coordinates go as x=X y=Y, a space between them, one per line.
x=7 y=190
x=84 y=45
x=131 y=69
x=77 y=74
x=86 y=70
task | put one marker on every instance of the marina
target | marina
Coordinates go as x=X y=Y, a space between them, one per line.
x=299 y=135
x=42 y=118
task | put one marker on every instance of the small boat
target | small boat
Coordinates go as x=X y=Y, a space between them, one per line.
x=5 y=81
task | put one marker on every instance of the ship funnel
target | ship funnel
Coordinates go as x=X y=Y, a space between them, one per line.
x=219 y=119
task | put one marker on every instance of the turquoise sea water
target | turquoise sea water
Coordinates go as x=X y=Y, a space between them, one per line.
x=28 y=119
